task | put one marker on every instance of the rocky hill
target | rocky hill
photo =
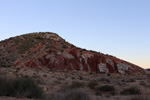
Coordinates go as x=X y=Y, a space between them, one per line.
x=46 y=49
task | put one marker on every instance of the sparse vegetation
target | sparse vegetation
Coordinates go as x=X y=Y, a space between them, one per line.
x=140 y=97
x=131 y=91
x=25 y=46
x=92 y=84
x=21 y=87
x=47 y=50
x=98 y=93
x=29 y=41
x=106 y=88
x=131 y=80
x=57 y=84
x=44 y=75
x=105 y=80
x=77 y=85
x=69 y=94
x=5 y=86
x=81 y=78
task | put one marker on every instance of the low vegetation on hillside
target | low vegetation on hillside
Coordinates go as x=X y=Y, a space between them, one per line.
x=20 y=87
x=47 y=84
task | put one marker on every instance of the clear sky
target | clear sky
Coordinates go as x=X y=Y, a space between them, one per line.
x=117 y=27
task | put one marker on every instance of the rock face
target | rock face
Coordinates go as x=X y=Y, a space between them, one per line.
x=50 y=50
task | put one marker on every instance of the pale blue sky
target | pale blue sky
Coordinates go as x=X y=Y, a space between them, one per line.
x=116 y=27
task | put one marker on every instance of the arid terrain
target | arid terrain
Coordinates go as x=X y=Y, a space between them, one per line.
x=45 y=66
x=51 y=81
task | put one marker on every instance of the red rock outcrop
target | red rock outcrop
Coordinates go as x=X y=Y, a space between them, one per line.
x=49 y=50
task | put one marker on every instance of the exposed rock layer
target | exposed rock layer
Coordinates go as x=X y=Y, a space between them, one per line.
x=50 y=50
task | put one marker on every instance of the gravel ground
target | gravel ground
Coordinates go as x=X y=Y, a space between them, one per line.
x=12 y=98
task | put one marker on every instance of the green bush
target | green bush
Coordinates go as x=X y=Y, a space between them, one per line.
x=131 y=91
x=21 y=87
x=106 y=88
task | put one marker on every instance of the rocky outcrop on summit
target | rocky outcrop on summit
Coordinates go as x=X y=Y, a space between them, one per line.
x=51 y=51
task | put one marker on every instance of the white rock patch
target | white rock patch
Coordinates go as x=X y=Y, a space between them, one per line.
x=67 y=55
x=123 y=67
x=49 y=56
x=53 y=59
x=110 y=62
x=90 y=55
x=103 y=68
x=84 y=58
x=71 y=65
x=59 y=53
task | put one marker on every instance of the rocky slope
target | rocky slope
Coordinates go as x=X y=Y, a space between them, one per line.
x=49 y=50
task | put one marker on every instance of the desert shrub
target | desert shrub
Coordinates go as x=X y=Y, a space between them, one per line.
x=5 y=86
x=81 y=78
x=98 y=93
x=73 y=78
x=131 y=91
x=76 y=94
x=108 y=74
x=69 y=94
x=106 y=88
x=131 y=80
x=142 y=83
x=38 y=37
x=148 y=86
x=25 y=46
x=27 y=88
x=21 y=87
x=54 y=96
x=140 y=97
x=112 y=93
x=77 y=85
x=5 y=62
x=44 y=75
x=64 y=46
x=74 y=85
x=92 y=85
x=105 y=80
